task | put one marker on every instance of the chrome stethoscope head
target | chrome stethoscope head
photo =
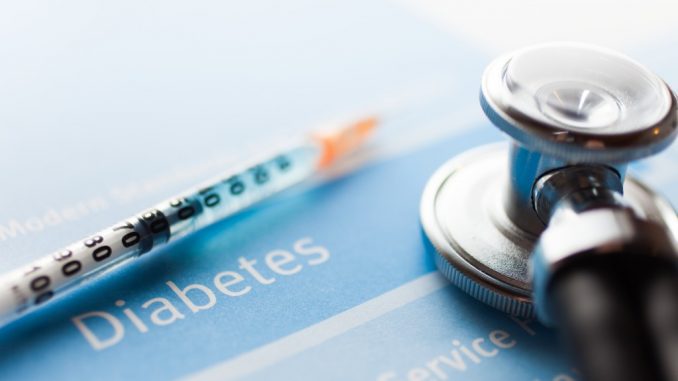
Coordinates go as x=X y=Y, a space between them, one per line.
x=579 y=103
x=576 y=115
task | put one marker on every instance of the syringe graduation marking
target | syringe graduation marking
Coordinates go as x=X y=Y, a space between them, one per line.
x=168 y=220
x=24 y=289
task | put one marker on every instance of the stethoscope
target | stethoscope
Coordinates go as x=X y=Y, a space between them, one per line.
x=550 y=225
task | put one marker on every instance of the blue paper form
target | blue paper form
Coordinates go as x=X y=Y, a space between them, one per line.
x=177 y=94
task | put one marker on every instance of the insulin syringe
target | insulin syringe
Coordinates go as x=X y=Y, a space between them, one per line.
x=31 y=287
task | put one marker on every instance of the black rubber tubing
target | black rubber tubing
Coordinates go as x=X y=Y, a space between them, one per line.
x=618 y=315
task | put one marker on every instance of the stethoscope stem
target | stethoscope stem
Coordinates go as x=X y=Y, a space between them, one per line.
x=614 y=293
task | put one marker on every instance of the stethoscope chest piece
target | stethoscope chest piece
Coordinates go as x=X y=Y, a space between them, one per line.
x=505 y=217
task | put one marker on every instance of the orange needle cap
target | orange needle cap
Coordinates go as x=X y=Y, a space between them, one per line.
x=337 y=143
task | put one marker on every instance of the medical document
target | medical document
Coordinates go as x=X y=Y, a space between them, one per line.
x=110 y=107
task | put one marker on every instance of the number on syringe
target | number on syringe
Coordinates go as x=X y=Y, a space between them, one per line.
x=31 y=270
x=235 y=185
x=260 y=174
x=156 y=221
x=210 y=198
x=69 y=268
x=101 y=252
x=41 y=284
x=283 y=163
x=62 y=255
x=131 y=238
x=185 y=212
